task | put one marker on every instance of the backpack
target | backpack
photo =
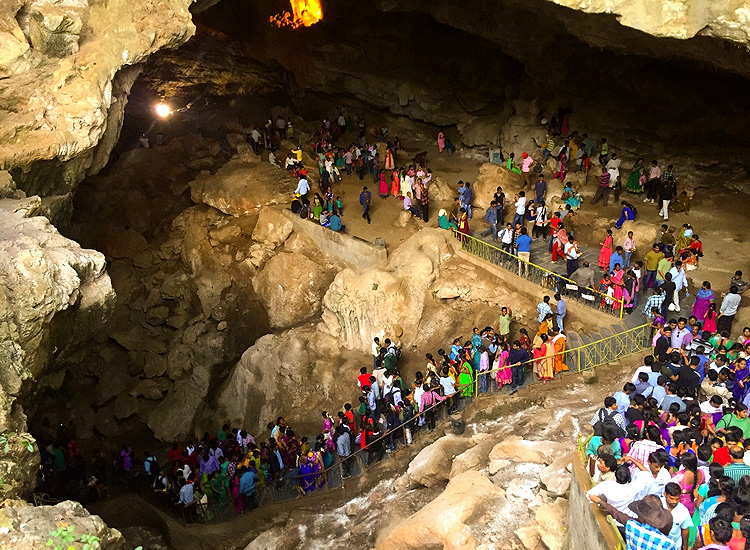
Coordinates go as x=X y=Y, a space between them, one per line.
x=607 y=420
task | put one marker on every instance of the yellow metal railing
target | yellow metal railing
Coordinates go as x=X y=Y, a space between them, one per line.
x=538 y=274
x=585 y=357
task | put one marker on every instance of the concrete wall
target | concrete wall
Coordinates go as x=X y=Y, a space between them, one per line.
x=589 y=528
x=353 y=250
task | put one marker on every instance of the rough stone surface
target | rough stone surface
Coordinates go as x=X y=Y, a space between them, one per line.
x=29 y=527
x=556 y=477
x=521 y=450
x=291 y=287
x=553 y=524
x=466 y=496
x=272 y=228
x=475 y=458
x=359 y=305
x=61 y=96
x=54 y=296
x=433 y=463
x=239 y=188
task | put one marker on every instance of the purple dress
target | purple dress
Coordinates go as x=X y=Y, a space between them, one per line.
x=702 y=302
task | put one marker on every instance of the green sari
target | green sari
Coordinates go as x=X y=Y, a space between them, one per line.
x=634 y=184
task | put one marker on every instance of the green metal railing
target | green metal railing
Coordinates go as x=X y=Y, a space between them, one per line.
x=540 y=275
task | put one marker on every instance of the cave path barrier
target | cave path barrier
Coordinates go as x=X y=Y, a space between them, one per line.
x=336 y=476
x=575 y=360
x=540 y=275
x=591 y=528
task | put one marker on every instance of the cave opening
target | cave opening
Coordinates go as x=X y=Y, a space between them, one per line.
x=185 y=264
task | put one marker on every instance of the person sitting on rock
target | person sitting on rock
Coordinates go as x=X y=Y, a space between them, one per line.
x=334 y=222
x=628 y=213
x=409 y=206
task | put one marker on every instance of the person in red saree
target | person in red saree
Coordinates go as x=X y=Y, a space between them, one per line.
x=389 y=162
x=383 y=188
x=606 y=252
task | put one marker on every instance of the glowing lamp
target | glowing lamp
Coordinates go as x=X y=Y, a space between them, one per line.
x=163 y=110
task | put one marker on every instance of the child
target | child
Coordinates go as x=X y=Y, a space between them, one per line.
x=339 y=206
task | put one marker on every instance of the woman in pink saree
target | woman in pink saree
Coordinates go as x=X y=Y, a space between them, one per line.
x=440 y=141
x=503 y=375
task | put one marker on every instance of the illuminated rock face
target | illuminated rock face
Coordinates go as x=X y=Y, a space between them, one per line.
x=64 y=77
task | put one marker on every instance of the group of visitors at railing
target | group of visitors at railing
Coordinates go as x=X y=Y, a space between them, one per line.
x=670 y=453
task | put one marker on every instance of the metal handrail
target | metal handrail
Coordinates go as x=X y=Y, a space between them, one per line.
x=463 y=238
x=639 y=341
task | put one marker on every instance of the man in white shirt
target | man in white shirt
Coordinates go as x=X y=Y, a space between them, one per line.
x=520 y=208
x=681 y=520
x=506 y=238
x=571 y=256
x=303 y=187
x=680 y=280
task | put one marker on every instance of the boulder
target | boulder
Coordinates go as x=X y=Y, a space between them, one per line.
x=277 y=538
x=521 y=450
x=239 y=187
x=362 y=304
x=556 y=476
x=433 y=463
x=553 y=524
x=443 y=522
x=529 y=537
x=125 y=406
x=404 y=218
x=474 y=458
x=150 y=389
x=496 y=466
x=440 y=190
x=522 y=489
x=291 y=287
x=273 y=227
x=24 y=527
x=182 y=401
x=491 y=176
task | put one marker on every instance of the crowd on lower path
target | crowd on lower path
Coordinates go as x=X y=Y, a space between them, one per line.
x=232 y=470
x=670 y=453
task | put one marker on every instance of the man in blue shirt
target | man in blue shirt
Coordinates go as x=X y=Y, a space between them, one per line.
x=247 y=488
x=335 y=223
x=468 y=195
x=523 y=244
x=364 y=199
x=490 y=220
x=561 y=311
x=616 y=258
x=517 y=356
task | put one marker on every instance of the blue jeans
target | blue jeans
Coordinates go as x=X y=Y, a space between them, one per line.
x=560 y=322
x=649 y=278
x=516 y=377
x=484 y=383
x=468 y=210
x=518 y=218
x=491 y=230
x=626 y=258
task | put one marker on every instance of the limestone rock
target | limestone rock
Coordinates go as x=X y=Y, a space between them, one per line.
x=54 y=30
x=29 y=527
x=306 y=366
x=497 y=465
x=182 y=401
x=150 y=389
x=18 y=466
x=491 y=176
x=475 y=458
x=529 y=537
x=278 y=538
x=125 y=406
x=440 y=190
x=272 y=227
x=553 y=524
x=466 y=496
x=360 y=305
x=522 y=489
x=433 y=463
x=239 y=188
x=521 y=450
x=403 y=219
x=556 y=477
x=291 y=287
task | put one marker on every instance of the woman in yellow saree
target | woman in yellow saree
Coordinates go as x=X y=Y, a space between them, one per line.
x=558 y=342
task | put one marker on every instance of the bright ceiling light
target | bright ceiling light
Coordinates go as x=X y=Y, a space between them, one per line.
x=163 y=110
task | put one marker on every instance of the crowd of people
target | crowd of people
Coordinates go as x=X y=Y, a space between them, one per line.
x=670 y=453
